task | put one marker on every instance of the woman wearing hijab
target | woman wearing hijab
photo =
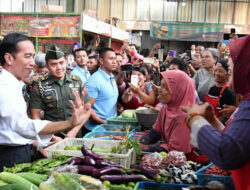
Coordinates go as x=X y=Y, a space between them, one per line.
x=169 y=132
x=75 y=46
x=229 y=149
x=220 y=94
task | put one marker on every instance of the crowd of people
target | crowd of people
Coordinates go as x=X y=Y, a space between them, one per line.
x=203 y=97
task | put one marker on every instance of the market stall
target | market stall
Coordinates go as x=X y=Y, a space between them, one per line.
x=107 y=162
x=62 y=29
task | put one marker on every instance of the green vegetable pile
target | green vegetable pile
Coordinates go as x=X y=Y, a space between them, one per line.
x=42 y=166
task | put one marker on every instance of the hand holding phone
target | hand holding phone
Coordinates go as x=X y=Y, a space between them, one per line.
x=156 y=79
x=189 y=54
x=134 y=80
x=155 y=88
x=172 y=53
x=148 y=60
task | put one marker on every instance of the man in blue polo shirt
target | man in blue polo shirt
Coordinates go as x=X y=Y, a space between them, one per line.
x=102 y=89
x=81 y=69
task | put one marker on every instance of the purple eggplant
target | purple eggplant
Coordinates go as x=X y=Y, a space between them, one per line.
x=118 y=179
x=89 y=161
x=102 y=164
x=86 y=160
x=107 y=171
x=76 y=161
x=150 y=173
x=86 y=170
x=90 y=153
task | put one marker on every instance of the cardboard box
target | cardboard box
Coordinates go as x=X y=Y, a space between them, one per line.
x=92 y=13
x=52 y=9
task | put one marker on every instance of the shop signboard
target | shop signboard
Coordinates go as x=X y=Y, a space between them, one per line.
x=104 y=29
x=135 y=39
x=89 y=24
x=187 y=31
x=119 y=34
x=41 y=26
x=10 y=24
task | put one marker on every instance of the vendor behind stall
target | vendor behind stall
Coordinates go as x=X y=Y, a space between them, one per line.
x=169 y=132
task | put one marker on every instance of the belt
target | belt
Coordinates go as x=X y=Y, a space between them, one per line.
x=15 y=146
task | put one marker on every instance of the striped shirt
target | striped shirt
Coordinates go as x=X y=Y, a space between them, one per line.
x=228 y=150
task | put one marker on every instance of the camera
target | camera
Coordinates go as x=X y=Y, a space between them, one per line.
x=127 y=67
x=163 y=67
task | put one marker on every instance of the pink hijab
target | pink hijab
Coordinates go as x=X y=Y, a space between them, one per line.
x=240 y=53
x=170 y=121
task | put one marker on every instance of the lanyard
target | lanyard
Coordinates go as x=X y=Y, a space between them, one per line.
x=83 y=72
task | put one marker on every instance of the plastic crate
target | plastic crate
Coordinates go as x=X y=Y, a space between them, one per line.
x=105 y=135
x=58 y=149
x=123 y=121
x=203 y=179
x=114 y=128
x=159 y=186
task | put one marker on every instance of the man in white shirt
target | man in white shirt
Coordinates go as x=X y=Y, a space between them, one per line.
x=17 y=131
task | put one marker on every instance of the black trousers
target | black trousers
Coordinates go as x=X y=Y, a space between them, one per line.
x=10 y=155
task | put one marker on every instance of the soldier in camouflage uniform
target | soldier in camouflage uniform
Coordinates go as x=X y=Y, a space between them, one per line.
x=53 y=92
x=40 y=69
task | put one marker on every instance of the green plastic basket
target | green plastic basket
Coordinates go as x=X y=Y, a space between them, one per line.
x=123 y=121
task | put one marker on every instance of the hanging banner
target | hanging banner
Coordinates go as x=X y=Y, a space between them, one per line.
x=10 y=24
x=41 y=26
x=119 y=34
x=135 y=39
x=94 y=25
x=89 y=24
x=187 y=31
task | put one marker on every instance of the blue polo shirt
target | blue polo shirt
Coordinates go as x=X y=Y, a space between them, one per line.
x=103 y=88
x=82 y=74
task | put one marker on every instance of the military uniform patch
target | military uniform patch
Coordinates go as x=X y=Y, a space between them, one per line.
x=75 y=89
x=47 y=87
x=50 y=106
x=44 y=78
x=74 y=77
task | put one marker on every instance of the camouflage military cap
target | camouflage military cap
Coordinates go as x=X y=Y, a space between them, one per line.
x=53 y=52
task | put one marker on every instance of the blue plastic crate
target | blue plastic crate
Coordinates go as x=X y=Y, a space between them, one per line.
x=114 y=128
x=203 y=179
x=104 y=135
x=159 y=186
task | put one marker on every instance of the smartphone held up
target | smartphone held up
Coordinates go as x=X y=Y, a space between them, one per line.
x=148 y=60
x=127 y=67
x=134 y=80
